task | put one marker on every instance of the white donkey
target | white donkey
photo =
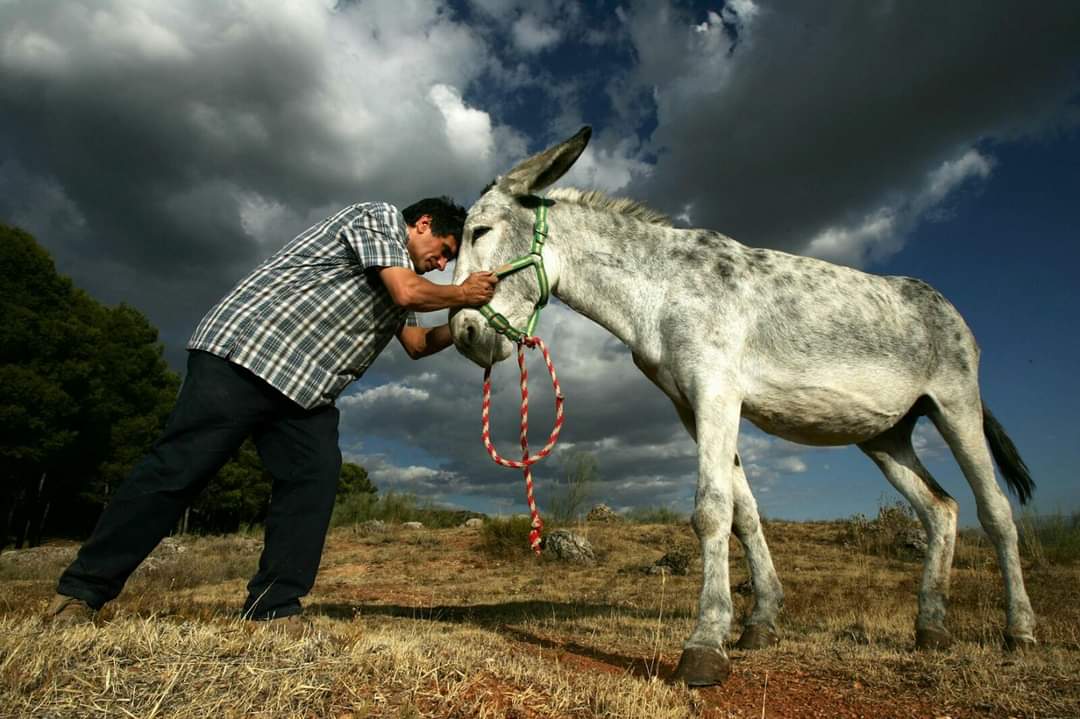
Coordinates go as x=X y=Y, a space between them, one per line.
x=806 y=350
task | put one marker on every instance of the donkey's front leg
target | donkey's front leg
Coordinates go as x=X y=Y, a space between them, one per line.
x=704 y=660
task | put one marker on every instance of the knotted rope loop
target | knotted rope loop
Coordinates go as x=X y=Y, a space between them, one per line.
x=527 y=460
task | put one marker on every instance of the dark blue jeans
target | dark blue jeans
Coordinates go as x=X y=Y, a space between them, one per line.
x=221 y=404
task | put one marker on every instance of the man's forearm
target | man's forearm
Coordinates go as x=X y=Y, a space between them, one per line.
x=427 y=296
x=414 y=293
x=437 y=339
x=423 y=341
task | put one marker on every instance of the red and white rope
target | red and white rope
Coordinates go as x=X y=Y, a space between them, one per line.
x=526 y=461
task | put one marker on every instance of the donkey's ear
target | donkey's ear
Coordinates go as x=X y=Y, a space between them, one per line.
x=540 y=170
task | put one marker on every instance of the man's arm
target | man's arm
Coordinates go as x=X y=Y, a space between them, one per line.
x=413 y=292
x=423 y=341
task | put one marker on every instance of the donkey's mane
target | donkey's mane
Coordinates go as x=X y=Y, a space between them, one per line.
x=620 y=205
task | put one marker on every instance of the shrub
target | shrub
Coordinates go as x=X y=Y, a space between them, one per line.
x=894 y=532
x=1050 y=538
x=394 y=508
x=506 y=537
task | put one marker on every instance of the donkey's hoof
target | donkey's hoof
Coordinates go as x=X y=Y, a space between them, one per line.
x=1019 y=643
x=702 y=667
x=758 y=636
x=932 y=638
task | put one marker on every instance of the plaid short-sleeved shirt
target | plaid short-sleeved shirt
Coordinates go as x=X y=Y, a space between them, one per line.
x=315 y=315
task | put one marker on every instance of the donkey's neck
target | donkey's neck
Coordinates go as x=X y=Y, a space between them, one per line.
x=604 y=270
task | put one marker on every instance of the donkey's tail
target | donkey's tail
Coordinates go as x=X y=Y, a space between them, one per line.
x=1008 y=458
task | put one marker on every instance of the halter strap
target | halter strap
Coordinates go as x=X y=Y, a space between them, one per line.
x=535 y=259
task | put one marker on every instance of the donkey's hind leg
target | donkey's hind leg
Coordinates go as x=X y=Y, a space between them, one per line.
x=760 y=629
x=892 y=452
x=961 y=425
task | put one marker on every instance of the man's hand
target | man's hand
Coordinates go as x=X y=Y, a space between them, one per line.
x=478 y=288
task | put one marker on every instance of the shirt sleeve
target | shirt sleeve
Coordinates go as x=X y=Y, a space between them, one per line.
x=377 y=236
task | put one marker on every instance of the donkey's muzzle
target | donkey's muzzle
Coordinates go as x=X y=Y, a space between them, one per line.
x=475 y=339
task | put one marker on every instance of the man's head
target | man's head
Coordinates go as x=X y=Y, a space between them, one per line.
x=434 y=226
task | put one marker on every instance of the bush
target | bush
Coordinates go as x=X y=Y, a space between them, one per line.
x=1050 y=538
x=894 y=532
x=394 y=508
x=506 y=537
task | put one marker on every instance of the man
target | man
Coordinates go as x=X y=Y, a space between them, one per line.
x=268 y=361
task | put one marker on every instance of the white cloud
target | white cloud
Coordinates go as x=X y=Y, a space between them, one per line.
x=741 y=12
x=139 y=32
x=791 y=465
x=32 y=52
x=881 y=233
x=874 y=235
x=609 y=170
x=261 y=218
x=391 y=393
x=927 y=441
x=950 y=175
x=531 y=35
x=468 y=130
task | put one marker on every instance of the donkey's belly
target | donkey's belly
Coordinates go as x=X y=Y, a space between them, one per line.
x=824 y=414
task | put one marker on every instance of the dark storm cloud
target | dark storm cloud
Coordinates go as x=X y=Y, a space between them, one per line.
x=182 y=142
x=161 y=150
x=782 y=119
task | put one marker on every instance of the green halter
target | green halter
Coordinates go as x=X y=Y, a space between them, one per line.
x=497 y=321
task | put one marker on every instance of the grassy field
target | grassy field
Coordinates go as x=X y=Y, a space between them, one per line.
x=453 y=623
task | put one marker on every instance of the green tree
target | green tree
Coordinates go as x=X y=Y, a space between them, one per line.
x=238 y=495
x=354 y=480
x=83 y=390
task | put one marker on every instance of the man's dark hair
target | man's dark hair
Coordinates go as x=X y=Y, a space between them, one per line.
x=446 y=217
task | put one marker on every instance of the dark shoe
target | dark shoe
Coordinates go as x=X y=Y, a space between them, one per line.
x=65 y=611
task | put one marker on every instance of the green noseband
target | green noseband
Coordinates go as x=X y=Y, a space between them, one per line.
x=535 y=259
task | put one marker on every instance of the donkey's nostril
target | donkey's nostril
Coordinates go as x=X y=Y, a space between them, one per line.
x=470 y=333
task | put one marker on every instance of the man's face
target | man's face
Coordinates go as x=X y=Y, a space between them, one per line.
x=428 y=251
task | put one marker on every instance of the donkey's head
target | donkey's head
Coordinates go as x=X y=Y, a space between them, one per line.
x=498 y=230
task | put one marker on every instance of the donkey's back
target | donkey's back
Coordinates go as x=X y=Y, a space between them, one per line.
x=826 y=354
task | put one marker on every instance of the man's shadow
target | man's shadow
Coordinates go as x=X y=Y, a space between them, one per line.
x=501 y=617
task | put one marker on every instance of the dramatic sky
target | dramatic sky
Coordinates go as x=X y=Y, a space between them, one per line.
x=161 y=148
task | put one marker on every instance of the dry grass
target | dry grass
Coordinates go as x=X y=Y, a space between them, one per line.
x=426 y=623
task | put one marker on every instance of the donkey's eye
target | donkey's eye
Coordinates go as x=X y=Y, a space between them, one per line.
x=479 y=232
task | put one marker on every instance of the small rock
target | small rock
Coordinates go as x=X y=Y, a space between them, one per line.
x=412 y=525
x=913 y=538
x=372 y=526
x=474 y=523
x=171 y=545
x=602 y=513
x=569 y=547
x=676 y=560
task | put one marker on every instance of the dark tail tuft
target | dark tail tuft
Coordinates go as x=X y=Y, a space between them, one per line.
x=1008 y=458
